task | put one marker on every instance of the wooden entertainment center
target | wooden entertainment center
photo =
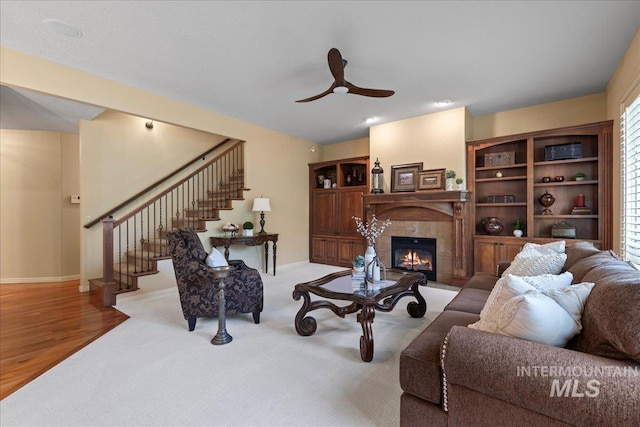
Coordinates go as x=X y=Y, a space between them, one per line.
x=508 y=175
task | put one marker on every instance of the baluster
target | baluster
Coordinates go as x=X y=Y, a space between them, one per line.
x=127 y=251
x=119 y=258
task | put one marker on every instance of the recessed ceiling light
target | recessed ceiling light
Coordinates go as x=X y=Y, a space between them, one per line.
x=370 y=120
x=62 y=28
x=445 y=101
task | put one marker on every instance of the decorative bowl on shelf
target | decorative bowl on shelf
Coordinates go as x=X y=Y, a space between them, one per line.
x=492 y=225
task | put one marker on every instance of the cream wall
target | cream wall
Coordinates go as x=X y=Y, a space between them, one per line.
x=623 y=88
x=437 y=140
x=569 y=112
x=39 y=227
x=345 y=150
x=275 y=161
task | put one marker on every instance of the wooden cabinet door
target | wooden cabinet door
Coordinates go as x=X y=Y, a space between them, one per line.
x=511 y=249
x=350 y=205
x=324 y=208
x=324 y=249
x=489 y=252
x=485 y=256
x=348 y=249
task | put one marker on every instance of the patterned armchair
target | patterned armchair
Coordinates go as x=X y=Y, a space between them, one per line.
x=198 y=287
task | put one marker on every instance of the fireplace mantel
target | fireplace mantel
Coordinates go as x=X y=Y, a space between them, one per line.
x=448 y=206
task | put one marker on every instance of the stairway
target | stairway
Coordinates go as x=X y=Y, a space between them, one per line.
x=193 y=202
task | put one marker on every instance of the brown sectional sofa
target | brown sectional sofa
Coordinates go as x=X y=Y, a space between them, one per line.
x=476 y=378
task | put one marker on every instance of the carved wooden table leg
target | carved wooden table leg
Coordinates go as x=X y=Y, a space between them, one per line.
x=305 y=326
x=417 y=309
x=365 y=317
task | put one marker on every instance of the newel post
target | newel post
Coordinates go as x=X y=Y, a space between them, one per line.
x=107 y=250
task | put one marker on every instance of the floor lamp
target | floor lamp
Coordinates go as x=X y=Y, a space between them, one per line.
x=261 y=204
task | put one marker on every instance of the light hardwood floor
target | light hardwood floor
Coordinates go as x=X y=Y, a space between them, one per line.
x=41 y=324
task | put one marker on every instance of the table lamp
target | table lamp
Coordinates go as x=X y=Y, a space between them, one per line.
x=261 y=204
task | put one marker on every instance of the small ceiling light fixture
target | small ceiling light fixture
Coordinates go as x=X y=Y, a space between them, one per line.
x=149 y=124
x=340 y=89
x=313 y=149
x=370 y=120
x=62 y=28
x=443 y=102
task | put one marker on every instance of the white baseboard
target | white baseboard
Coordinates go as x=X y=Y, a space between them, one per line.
x=40 y=279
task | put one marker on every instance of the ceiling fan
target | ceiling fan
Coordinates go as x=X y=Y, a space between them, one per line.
x=340 y=85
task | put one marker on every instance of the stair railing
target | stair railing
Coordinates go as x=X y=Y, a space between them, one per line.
x=133 y=244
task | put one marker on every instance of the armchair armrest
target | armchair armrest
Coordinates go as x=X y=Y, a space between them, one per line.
x=573 y=387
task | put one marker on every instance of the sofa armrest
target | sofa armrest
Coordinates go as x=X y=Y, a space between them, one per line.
x=501 y=267
x=573 y=387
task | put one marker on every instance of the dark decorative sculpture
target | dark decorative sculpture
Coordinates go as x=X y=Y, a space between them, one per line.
x=198 y=284
x=546 y=200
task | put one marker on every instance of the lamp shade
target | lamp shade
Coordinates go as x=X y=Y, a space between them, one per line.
x=261 y=204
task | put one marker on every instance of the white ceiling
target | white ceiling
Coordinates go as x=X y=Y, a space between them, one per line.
x=252 y=60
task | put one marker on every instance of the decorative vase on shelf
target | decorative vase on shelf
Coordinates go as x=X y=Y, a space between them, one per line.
x=517 y=233
x=546 y=200
x=492 y=225
x=369 y=255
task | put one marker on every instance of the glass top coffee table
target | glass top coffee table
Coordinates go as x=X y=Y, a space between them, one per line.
x=338 y=286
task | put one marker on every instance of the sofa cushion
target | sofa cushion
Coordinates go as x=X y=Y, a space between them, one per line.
x=469 y=300
x=420 y=370
x=578 y=251
x=581 y=267
x=612 y=313
x=481 y=280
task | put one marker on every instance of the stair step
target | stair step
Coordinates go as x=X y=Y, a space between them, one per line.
x=215 y=203
x=129 y=269
x=202 y=213
x=226 y=194
x=190 y=223
x=145 y=260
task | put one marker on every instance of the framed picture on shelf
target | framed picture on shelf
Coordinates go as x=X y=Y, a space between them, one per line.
x=432 y=179
x=404 y=177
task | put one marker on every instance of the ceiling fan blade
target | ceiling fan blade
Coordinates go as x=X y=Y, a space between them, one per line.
x=313 y=98
x=375 y=93
x=336 y=65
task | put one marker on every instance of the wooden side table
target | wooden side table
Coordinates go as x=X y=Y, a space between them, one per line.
x=255 y=240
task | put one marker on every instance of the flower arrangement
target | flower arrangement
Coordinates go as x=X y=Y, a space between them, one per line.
x=230 y=227
x=450 y=174
x=370 y=231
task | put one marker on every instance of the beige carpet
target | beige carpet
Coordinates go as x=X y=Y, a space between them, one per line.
x=151 y=371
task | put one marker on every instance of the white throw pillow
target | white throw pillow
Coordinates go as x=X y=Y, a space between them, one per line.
x=509 y=286
x=548 y=317
x=216 y=259
x=545 y=249
x=530 y=263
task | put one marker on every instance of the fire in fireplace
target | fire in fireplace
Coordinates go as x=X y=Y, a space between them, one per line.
x=414 y=254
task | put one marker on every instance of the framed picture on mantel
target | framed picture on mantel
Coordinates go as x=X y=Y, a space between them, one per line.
x=404 y=177
x=432 y=179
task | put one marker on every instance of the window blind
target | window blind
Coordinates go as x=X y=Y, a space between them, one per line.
x=630 y=174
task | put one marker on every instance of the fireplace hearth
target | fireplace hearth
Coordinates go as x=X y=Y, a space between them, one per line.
x=414 y=254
